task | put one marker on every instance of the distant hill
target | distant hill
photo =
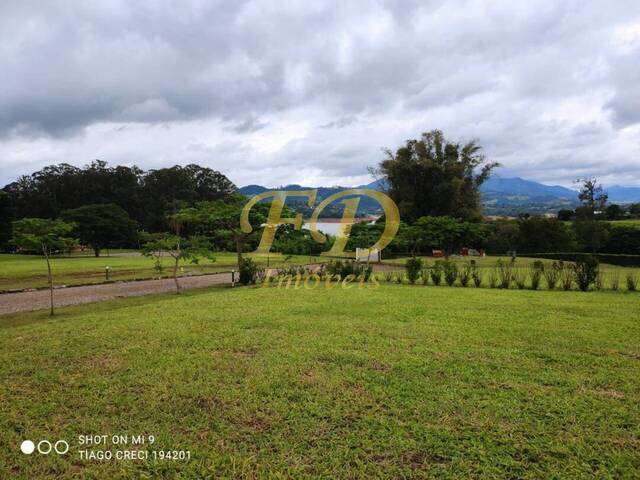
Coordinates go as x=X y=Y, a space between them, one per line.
x=500 y=196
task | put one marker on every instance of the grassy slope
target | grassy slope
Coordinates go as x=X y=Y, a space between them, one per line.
x=26 y=271
x=413 y=381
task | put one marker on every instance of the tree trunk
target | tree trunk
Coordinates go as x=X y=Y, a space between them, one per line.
x=238 y=241
x=49 y=278
x=175 y=276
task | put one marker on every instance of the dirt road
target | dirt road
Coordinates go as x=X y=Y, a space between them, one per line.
x=36 y=300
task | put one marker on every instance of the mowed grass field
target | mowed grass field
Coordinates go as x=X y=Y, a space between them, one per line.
x=393 y=382
x=30 y=271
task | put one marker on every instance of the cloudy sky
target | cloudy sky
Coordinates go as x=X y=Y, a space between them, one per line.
x=277 y=92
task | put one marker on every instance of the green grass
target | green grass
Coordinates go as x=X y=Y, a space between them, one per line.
x=396 y=382
x=30 y=271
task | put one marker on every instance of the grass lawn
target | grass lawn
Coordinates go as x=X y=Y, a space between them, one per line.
x=394 y=382
x=30 y=271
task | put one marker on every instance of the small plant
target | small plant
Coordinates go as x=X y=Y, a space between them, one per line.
x=537 y=270
x=424 y=276
x=450 y=272
x=553 y=274
x=476 y=274
x=399 y=278
x=505 y=273
x=615 y=281
x=250 y=272
x=413 y=268
x=567 y=279
x=520 y=278
x=466 y=273
x=436 y=272
x=599 y=283
x=388 y=277
x=349 y=267
x=493 y=277
x=585 y=272
x=632 y=282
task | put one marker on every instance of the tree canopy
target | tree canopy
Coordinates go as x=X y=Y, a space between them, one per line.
x=146 y=196
x=102 y=226
x=435 y=177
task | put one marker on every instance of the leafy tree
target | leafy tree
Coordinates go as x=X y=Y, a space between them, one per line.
x=224 y=215
x=181 y=250
x=566 y=215
x=543 y=235
x=435 y=177
x=615 y=212
x=5 y=222
x=593 y=199
x=634 y=210
x=504 y=236
x=447 y=233
x=145 y=196
x=102 y=226
x=590 y=231
x=44 y=235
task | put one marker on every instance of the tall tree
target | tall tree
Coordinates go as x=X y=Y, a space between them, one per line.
x=435 y=177
x=102 y=226
x=46 y=236
x=590 y=230
x=5 y=220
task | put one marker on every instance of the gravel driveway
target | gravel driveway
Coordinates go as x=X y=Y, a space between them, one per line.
x=36 y=300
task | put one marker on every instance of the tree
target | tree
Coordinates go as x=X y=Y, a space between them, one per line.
x=209 y=218
x=181 y=250
x=634 y=210
x=593 y=199
x=566 y=215
x=102 y=226
x=543 y=235
x=434 y=177
x=145 y=196
x=447 y=233
x=504 y=236
x=44 y=235
x=591 y=232
x=5 y=223
x=615 y=212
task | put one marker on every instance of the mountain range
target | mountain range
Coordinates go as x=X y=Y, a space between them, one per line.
x=500 y=195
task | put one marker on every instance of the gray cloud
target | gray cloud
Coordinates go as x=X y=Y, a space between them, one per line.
x=283 y=92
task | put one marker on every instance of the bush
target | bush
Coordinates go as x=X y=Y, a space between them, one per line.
x=567 y=279
x=505 y=273
x=520 y=277
x=450 y=270
x=349 y=267
x=537 y=270
x=413 y=268
x=632 y=282
x=615 y=281
x=465 y=273
x=553 y=274
x=476 y=274
x=585 y=272
x=436 y=272
x=250 y=272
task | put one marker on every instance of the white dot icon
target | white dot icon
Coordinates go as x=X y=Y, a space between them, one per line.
x=27 y=447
